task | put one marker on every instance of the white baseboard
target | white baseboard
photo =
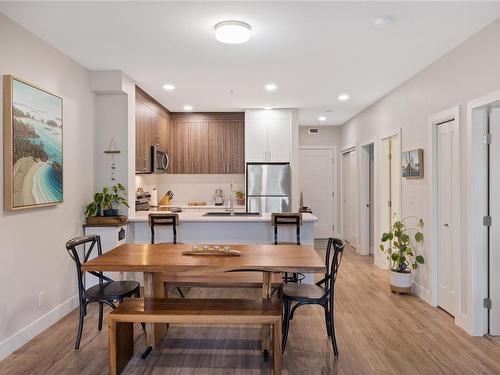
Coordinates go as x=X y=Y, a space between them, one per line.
x=21 y=337
x=421 y=292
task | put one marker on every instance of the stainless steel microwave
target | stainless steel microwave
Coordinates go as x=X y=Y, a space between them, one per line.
x=159 y=159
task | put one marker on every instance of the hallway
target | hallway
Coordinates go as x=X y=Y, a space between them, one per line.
x=378 y=333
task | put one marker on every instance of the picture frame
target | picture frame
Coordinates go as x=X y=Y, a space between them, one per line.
x=412 y=164
x=33 y=145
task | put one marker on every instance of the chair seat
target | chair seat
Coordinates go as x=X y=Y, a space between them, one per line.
x=301 y=291
x=112 y=290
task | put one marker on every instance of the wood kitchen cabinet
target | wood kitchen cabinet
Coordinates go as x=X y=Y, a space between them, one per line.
x=152 y=126
x=208 y=143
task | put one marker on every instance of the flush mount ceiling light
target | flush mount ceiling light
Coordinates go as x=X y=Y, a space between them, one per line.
x=321 y=118
x=383 y=21
x=168 y=87
x=232 y=32
x=188 y=108
x=271 y=87
x=343 y=97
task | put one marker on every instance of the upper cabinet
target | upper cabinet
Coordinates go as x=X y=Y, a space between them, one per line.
x=268 y=135
x=207 y=143
x=152 y=127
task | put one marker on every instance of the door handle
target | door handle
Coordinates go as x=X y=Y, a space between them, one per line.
x=446 y=225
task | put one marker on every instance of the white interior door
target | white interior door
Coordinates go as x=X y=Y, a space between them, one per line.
x=494 y=261
x=354 y=200
x=446 y=141
x=316 y=184
x=346 y=197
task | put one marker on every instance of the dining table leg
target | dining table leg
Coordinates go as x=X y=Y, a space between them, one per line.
x=266 y=328
x=153 y=288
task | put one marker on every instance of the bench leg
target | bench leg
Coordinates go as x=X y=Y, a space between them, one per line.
x=266 y=328
x=121 y=345
x=153 y=288
x=277 y=347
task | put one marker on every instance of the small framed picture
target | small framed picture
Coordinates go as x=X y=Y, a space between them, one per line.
x=412 y=163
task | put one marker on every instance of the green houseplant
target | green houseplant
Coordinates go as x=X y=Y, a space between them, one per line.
x=400 y=245
x=107 y=199
x=240 y=197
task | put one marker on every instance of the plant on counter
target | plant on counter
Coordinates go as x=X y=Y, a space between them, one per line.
x=401 y=242
x=108 y=199
x=240 y=197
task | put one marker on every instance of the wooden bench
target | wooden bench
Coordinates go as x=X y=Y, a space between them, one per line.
x=220 y=280
x=187 y=311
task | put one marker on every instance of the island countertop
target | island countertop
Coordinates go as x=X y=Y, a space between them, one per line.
x=187 y=216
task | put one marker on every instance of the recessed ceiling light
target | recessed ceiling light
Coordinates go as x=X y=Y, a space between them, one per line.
x=383 y=21
x=321 y=118
x=268 y=108
x=232 y=32
x=343 y=97
x=188 y=108
x=271 y=87
x=168 y=87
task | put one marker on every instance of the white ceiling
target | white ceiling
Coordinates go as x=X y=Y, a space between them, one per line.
x=312 y=51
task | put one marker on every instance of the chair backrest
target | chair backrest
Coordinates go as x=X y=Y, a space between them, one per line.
x=165 y=220
x=286 y=219
x=89 y=243
x=332 y=263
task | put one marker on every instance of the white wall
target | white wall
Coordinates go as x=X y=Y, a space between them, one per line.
x=469 y=71
x=33 y=256
x=191 y=187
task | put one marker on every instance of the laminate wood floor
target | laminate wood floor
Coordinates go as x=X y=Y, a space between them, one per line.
x=378 y=333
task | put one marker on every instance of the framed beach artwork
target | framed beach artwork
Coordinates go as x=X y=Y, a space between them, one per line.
x=33 y=149
x=412 y=163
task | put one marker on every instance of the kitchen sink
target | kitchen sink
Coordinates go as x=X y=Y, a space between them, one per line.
x=225 y=213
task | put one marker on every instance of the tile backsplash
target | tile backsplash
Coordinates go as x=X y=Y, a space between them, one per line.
x=191 y=187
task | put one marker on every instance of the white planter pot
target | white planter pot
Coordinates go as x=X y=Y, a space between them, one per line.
x=401 y=281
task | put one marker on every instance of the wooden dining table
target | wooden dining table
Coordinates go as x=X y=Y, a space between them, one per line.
x=153 y=260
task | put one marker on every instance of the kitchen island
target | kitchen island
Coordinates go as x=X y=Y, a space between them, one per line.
x=195 y=228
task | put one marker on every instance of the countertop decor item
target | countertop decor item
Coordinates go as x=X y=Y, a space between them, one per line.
x=218 y=197
x=197 y=203
x=108 y=199
x=212 y=250
x=166 y=198
x=401 y=242
x=240 y=197
x=33 y=145
x=412 y=163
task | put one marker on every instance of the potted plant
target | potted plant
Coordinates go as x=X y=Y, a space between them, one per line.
x=240 y=198
x=400 y=246
x=108 y=199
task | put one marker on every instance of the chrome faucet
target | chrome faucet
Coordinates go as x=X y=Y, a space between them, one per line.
x=231 y=197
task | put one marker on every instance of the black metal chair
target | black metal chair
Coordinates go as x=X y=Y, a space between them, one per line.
x=105 y=292
x=314 y=294
x=165 y=220
x=288 y=219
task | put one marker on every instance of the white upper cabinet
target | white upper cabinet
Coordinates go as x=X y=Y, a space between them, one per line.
x=267 y=135
x=256 y=139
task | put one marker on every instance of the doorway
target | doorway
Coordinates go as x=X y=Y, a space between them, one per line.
x=317 y=185
x=350 y=207
x=491 y=116
x=367 y=186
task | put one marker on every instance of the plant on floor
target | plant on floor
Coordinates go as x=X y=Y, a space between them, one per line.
x=107 y=199
x=400 y=244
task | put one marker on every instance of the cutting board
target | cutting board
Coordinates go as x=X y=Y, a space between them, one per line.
x=197 y=203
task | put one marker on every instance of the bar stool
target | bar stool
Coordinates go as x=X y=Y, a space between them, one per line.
x=289 y=220
x=165 y=220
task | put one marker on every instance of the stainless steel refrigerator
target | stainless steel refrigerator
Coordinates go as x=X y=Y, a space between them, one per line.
x=268 y=187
